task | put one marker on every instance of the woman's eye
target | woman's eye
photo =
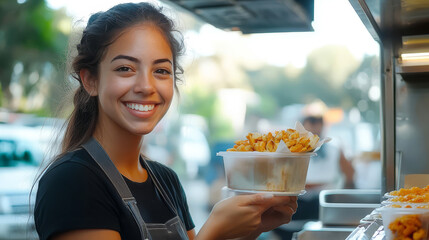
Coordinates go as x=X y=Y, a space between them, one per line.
x=163 y=71
x=123 y=69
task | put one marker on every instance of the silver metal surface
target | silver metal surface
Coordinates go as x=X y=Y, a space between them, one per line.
x=252 y=16
x=373 y=231
x=404 y=91
x=387 y=121
x=412 y=93
x=367 y=18
x=412 y=128
x=387 y=24
x=402 y=29
x=415 y=44
x=398 y=158
x=323 y=234
x=341 y=207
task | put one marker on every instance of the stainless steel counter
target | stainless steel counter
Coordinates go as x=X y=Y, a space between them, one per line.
x=323 y=234
x=346 y=207
x=344 y=215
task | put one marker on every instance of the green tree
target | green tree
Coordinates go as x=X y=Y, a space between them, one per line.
x=323 y=77
x=31 y=42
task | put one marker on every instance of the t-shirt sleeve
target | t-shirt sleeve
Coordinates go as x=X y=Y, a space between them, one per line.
x=71 y=197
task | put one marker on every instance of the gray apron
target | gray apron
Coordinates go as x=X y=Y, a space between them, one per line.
x=172 y=229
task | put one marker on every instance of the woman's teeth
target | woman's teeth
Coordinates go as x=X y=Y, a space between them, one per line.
x=140 y=107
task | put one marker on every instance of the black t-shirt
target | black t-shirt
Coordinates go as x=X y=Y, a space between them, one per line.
x=76 y=194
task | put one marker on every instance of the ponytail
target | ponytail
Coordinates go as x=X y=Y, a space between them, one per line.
x=82 y=121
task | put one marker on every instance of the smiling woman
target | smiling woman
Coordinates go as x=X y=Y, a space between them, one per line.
x=136 y=70
x=101 y=186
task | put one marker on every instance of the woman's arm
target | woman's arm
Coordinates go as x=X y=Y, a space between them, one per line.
x=88 y=234
x=233 y=217
x=191 y=234
x=244 y=217
x=247 y=216
x=280 y=213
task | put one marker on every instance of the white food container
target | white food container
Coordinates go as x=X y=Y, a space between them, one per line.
x=390 y=214
x=277 y=173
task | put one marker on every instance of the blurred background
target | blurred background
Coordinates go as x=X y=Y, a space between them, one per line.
x=233 y=84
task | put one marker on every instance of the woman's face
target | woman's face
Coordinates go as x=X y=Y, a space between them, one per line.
x=135 y=85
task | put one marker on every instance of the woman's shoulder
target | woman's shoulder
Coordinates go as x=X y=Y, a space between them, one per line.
x=74 y=178
x=76 y=166
x=74 y=194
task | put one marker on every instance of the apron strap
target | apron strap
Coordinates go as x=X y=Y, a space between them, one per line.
x=102 y=159
x=159 y=186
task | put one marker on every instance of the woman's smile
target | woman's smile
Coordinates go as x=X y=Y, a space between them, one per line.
x=140 y=107
x=141 y=110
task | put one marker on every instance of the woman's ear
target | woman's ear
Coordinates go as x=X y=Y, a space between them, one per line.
x=88 y=82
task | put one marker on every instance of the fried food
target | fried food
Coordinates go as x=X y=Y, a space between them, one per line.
x=407 y=227
x=412 y=190
x=269 y=142
x=412 y=198
x=411 y=195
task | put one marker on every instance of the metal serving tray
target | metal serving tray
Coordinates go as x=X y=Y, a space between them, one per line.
x=341 y=207
x=322 y=234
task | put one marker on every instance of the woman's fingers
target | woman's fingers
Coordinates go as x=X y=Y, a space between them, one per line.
x=256 y=213
x=285 y=210
x=267 y=200
x=255 y=199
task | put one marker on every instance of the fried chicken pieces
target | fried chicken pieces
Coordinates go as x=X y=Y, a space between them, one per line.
x=269 y=142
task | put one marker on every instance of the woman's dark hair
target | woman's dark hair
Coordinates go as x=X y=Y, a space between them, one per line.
x=101 y=31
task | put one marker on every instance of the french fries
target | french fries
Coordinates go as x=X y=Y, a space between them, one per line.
x=269 y=142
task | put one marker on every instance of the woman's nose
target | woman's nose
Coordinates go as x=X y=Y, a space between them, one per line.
x=145 y=83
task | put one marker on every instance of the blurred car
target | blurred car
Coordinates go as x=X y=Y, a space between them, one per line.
x=22 y=151
x=15 y=207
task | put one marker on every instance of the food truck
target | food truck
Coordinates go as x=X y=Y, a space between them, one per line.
x=401 y=29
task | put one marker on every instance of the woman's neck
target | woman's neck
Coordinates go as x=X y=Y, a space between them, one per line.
x=123 y=149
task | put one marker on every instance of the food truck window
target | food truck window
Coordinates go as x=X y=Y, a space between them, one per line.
x=234 y=83
x=240 y=83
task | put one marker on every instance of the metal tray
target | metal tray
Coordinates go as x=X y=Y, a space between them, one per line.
x=347 y=206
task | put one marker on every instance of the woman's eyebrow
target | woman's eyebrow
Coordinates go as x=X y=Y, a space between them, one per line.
x=162 y=60
x=132 y=59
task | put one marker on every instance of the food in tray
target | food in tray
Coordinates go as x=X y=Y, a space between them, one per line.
x=426 y=206
x=409 y=195
x=412 y=198
x=269 y=142
x=412 y=190
x=407 y=227
x=399 y=206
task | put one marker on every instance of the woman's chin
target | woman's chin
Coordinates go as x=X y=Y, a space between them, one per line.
x=142 y=131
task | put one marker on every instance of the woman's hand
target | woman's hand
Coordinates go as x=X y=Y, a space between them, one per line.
x=281 y=211
x=247 y=215
x=235 y=217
